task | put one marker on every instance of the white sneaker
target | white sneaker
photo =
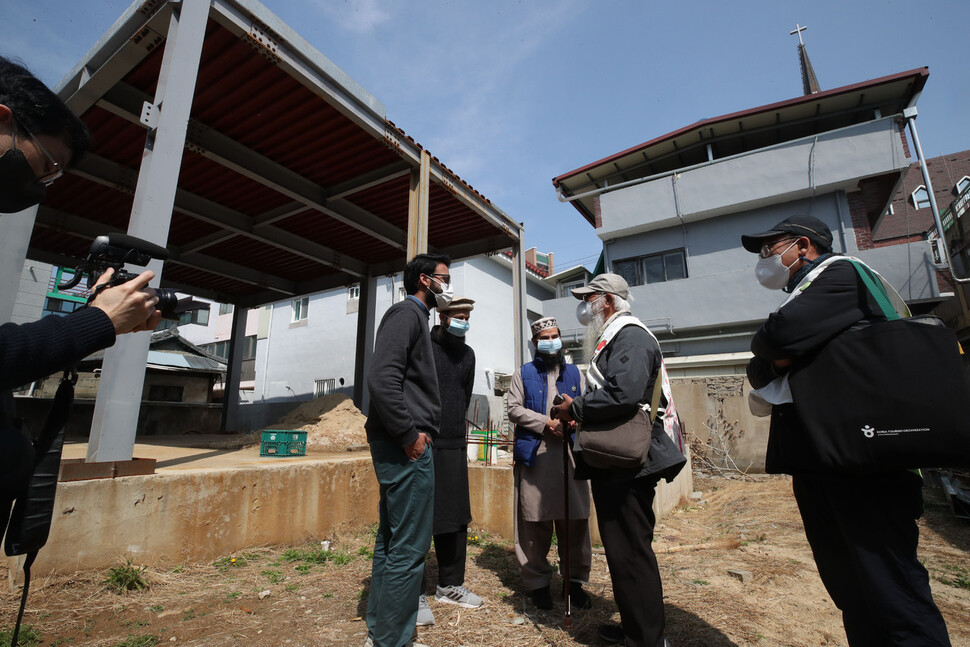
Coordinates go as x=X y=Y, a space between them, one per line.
x=425 y=617
x=458 y=595
x=369 y=642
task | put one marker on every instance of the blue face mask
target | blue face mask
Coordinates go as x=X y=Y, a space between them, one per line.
x=458 y=327
x=549 y=346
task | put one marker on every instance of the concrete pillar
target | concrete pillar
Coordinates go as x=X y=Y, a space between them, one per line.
x=120 y=391
x=366 y=327
x=520 y=313
x=15 y=229
x=418 y=208
x=230 y=392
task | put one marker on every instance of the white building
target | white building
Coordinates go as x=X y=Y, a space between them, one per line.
x=307 y=347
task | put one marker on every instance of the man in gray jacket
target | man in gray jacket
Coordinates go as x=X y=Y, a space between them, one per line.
x=404 y=416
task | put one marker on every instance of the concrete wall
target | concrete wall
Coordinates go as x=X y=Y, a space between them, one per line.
x=195 y=387
x=166 y=418
x=715 y=412
x=173 y=517
x=31 y=292
x=721 y=291
x=830 y=161
x=219 y=327
x=323 y=346
x=170 y=518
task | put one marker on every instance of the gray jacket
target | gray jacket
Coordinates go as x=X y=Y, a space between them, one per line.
x=402 y=379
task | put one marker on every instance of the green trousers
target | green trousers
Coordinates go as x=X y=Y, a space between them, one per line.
x=403 y=539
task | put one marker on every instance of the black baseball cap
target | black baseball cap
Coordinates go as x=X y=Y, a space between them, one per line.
x=812 y=228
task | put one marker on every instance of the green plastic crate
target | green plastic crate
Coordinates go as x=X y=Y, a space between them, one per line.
x=279 y=442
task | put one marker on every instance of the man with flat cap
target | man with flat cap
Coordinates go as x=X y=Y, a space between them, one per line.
x=861 y=527
x=455 y=364
x=625 y=364
x=539 y=496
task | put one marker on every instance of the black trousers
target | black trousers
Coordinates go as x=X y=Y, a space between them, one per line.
x=624 y=510
x=863 y=533
x=450 y=549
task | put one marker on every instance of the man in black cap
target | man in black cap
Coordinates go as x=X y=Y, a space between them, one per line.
x=861 y=527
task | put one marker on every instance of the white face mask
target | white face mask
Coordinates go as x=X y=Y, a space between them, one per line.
x=443 y=298
x=585 y=311
x=772 y=272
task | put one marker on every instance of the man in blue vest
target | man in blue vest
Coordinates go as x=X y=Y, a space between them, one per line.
x=538 y=471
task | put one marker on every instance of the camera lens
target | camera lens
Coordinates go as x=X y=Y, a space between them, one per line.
x=168 y=303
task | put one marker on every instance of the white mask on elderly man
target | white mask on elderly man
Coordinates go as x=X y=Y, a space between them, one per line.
x=585 y=311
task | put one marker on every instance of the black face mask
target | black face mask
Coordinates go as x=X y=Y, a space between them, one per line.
x=19 y=187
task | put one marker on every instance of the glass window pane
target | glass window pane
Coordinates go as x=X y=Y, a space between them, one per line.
x=921 y=198
x=628 y=270
x=653 y=269
x=674 y=266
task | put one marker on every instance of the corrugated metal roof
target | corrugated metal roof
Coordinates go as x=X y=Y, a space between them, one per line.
x=292 y=179
x=173 y=359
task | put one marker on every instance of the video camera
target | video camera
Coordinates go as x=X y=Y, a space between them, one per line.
x=113 y=251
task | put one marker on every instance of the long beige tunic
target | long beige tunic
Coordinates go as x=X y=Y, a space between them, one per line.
x=540 y=487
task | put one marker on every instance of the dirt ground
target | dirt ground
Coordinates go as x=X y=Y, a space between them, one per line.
x=303 y=596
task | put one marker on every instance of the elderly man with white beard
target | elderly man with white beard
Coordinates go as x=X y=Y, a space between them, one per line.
x=625 y=363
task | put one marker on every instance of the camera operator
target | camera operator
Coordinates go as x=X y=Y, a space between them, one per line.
x=39 y=138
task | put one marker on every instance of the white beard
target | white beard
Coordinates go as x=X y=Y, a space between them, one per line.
x=593 y=330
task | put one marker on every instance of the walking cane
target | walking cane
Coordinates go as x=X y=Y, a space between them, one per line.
x=567 y=621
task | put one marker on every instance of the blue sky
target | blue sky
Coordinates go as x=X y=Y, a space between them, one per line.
x=509 y=94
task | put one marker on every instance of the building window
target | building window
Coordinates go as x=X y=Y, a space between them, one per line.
x=963 y=184
x=300 y=307
x=225 y=308
x=564 y=288
x=200 y=317
x=218 y=349
x=542 y=261
x=249 y=347
x=655 y=268
x=402 y=293
x=324 y=387
x=60 y=307
x=353 y=292
x=921 y=198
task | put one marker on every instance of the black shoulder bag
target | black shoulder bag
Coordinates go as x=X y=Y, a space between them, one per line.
x=883 y=395
x=30 y=521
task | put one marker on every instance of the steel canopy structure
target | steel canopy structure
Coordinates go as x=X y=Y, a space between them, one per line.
x=292 y=179
x=268 y=173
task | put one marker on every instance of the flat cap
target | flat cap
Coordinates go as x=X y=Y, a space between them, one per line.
x=612 y=283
